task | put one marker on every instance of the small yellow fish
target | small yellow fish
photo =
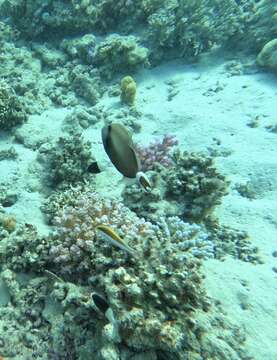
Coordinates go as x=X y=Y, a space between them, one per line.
x=108 y=234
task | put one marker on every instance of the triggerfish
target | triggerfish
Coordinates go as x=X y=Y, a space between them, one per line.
x=119 y=146
x=108 y=234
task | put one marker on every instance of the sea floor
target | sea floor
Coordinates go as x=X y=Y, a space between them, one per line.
x=212 y=105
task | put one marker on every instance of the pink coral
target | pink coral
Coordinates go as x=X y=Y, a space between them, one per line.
x=74 y=244
x=157 y=152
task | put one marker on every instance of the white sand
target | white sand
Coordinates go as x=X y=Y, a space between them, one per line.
x=197 y=116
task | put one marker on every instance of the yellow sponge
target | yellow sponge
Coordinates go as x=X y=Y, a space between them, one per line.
x=128 y=88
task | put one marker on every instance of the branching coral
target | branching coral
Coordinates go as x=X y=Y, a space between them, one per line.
x=187 y=28
x=194 y=182
x=75 y=245
x=12 y=110
x=189 y=187
x=22 y=326
x=67 y=162
x=231 y=241
x=118 y=54
x=156 y=153
x=24 y=250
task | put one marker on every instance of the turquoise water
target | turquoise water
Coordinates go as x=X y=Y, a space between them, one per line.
x=138 y=180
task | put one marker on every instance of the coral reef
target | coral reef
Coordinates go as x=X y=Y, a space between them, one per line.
x=190 y=187
x=73 y=246
x=12 y=110
x=184 y=29
x=119 y=54
x=260 y=24
x=170 y=29
x=67 y=161
x=156 y=153
x=191 y=238
x=8 y=154
x=8 y=197
x=23 y=249
x=7 y=222
x=63 y=18
x=80 y=48
x=228 y=240
x=86 y=83
x=268 y=56
x=223 y=240
x=150 y=205
x=50 y=58
x=129 y=116
x=157 y=302
x=66 y=81
x=194 y=182
x=81 y=118
x=128 y=88
x=24 y=330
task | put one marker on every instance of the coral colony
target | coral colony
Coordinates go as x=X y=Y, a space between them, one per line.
x=157 y=153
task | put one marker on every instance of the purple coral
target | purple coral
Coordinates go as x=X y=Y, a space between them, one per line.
x=157 y=152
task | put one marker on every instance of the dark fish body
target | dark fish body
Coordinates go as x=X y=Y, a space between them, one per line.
x=93 y=168
x=118 y=145
x=100 y=302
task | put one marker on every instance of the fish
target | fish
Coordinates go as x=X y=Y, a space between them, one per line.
x=119 y=147
x=101 y=303
x=143 y=181
x=112 y=237
x=93 y=168
x=103 y=306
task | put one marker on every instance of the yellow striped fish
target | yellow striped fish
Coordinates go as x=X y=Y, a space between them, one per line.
x=108 y=234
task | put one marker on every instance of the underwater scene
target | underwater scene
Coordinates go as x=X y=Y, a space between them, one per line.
x=138 y=180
